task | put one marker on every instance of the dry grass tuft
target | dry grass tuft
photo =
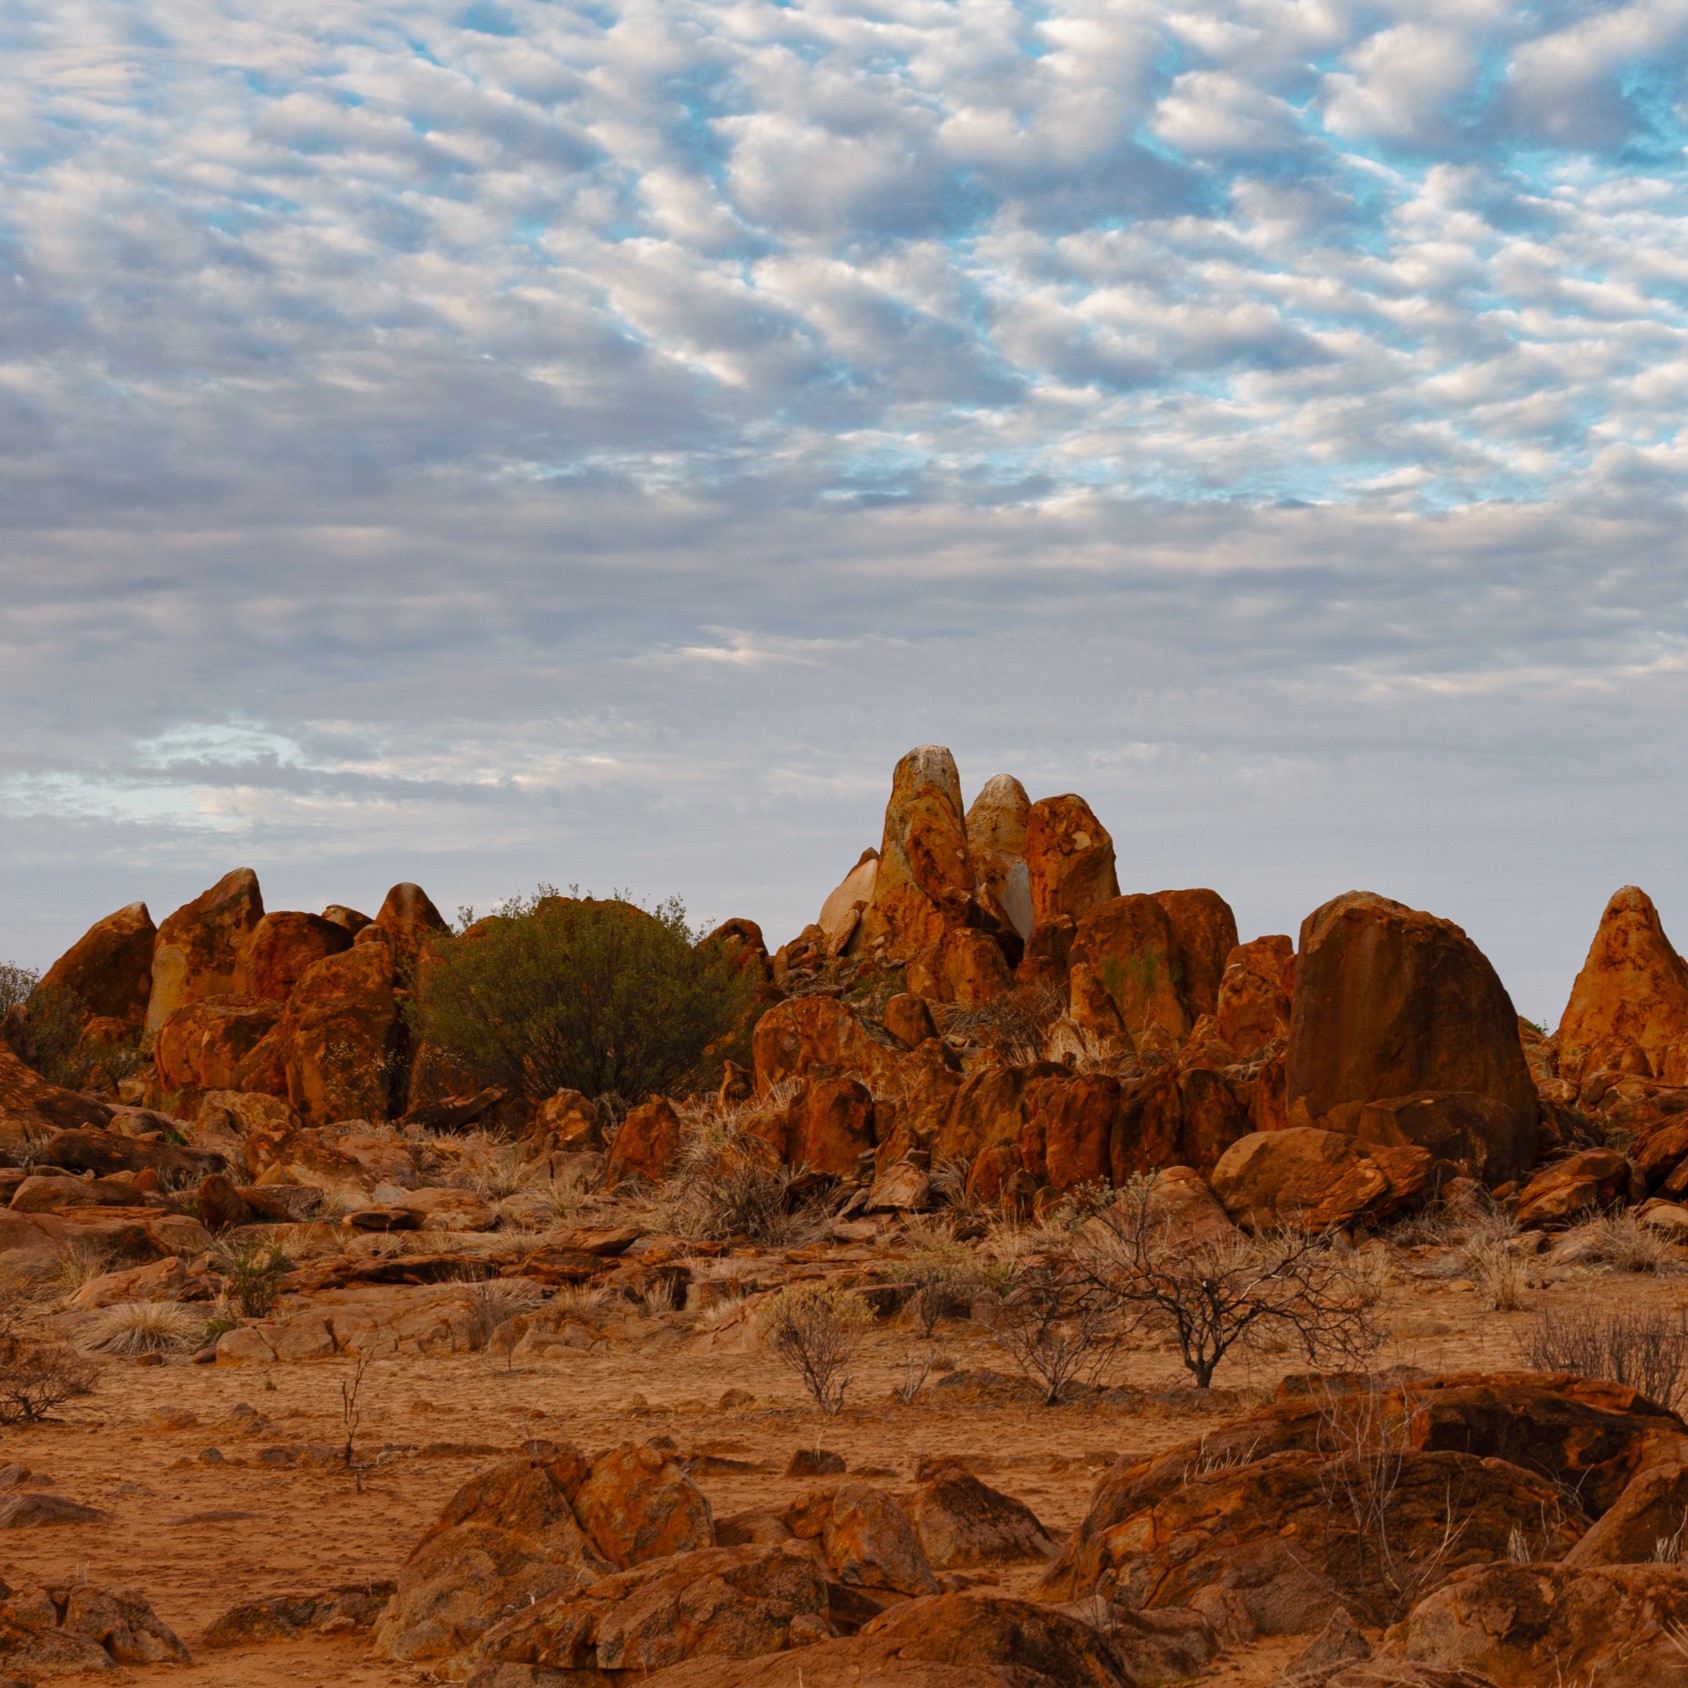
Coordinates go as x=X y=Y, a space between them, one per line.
x=144 y=1327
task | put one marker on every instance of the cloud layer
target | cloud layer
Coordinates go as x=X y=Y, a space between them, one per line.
x=492 y=440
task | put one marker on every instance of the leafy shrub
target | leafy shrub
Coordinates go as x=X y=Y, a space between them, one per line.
x=571 y=993
x=253 y=1273
x=16 y=982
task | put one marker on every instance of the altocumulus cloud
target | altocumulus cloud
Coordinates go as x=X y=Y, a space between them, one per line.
x=481 y=441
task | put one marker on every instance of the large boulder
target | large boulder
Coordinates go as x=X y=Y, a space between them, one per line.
x=1530 y=1625
x=1477 y=1134
x=284 y=947
x=1571 y=1189
x=818 y=1035
x=1205 y=933
x=924 y=881
x=1392 y=1002
x=341 y=1038
x=199 y=946
x=717 y=1602
x=964 y=1523
x=32 y=1108
x=965 y=1640
x=841 y=913
x=1130 y=945
x=647 y=1144
x=410 y=919
x=1313 y=1179
x=638 y=1504
x=1629 y=1000
x=209 y=1045
x=108 y=970
x=997 y=824
x=870 y=1542
x=1069 y=860
x=1253 y=1010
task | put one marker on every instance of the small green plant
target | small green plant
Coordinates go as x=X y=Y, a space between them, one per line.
x=253 y=1272
x=816 y=1332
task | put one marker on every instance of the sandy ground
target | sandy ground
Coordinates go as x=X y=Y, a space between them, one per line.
x=278 y=1512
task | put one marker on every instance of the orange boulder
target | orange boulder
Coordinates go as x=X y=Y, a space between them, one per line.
x=1630 y=997
x=410 y=919
x=1069 y=860
x=199 y=946
x=108 y=970
x=817 y=1033
x=830 y=1126
x=1205 y=933
x=282 y=949
x=341 y=1040
x=924 y=881
x=1390 y=1002
x=964 y=966
x=1129 y=944
x=996 y=839
x=638 y=1504
x=1312 y=1179
x=647 y=1145
x=1254 y=995
x=209 y=1045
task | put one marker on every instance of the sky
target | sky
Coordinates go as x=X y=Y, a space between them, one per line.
x=492 y=442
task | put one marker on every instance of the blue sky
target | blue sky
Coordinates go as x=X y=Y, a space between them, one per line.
x=482 y=443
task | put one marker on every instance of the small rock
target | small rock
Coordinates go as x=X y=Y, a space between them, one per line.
x=815 y=1462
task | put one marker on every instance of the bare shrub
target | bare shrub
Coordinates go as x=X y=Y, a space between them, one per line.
x=1016 y=1023
x=917 y=1367
x=944 y=1278
x=37 y=1376
x=1282 y=1287
x=1057 y=1325
x=144 y=1327
x=1646 y=1350
x=816 y=1332
x=494 y=1301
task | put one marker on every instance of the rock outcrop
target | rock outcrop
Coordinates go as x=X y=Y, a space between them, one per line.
x=924 y=882
x=1069 y=860
x=108 y=970
x=198 y=948
x=1390 y=1002
x=1629 y=1006
x=997 y=824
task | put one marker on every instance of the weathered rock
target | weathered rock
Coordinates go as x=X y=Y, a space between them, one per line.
x=31 y=1108
x=1475 y=1133
x=105 y=1153
x=1253 y=1010
x=208 y=1045
x=37 y=1511
x=728 y=1602
x=283 y=947
x=108 y=970
x=842 y=911
x=1069 y=860
x=638 y=1504
x=829 y=1126
x=1129 y=944
x=1581 y=1183
x=1205 y=934
x=50 y=1193
x=1637 y=1528
x=349 y=1609
x=818 y=1034
x=1525 y=1626
x=81 y=1626
x=942 y=1641
x=161 y=1280
x=350 y=918
x=1051 y=1125
x=507 y=1538
x=870 y=1542
x=1392 y=1002
x=963 y=1522
x=964 y=966
x=1631 y=995
x=341 y=1037
x=924 y=882
x=1314 y=1179
x=410 y=919
x=997 y=824
x=647 y=1144
x=199 y=946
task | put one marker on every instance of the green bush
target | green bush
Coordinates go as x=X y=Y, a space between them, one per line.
x=552 y=993
x=16 y=982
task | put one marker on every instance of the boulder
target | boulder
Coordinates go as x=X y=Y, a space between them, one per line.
x=507 y=1538
x=411 y=921
x=962 y=1522
x=1314 y=1179
x=209 y=1045
x=283 y=947
x=1475 y=1133
x=1392 y=1002
x=1572 y=1188
x=341 y=1037
x=1253 y=1009
x=350 y=918
x=638 y=1504
x=348 y=1609
x=965 y=966
x=924 y=881
x=1637 y=1528
x=567 y=1122
x=830 y=1126
x=1129 y=944
x=1069 y=860
x=965 y=1640
x=842 y=911
x=1205 y=935
x=105 y=1153
x=1525 y=1626
x=161 y=1280
x=726 y=1602
x=997 y=823
x=870 y=1542
x=108 y=970
x=818 y=1033
x=1052 y=1125
x=32 y=1108
x=647 y=1144
x=199 y=946
x=1631 y=997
